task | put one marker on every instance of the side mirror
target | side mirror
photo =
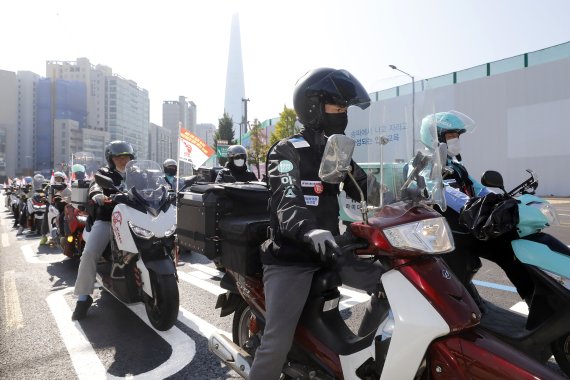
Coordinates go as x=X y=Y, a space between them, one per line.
x=337 y=156
x=186 y=182
x=104 y=182
x=492 y=178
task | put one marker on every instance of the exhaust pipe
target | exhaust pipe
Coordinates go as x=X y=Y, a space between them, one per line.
x=230 y=353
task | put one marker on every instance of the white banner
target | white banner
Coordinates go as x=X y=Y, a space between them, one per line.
x=193 y=149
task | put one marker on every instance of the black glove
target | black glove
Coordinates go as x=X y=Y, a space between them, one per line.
x=319 y=240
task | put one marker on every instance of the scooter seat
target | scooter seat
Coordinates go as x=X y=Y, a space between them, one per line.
x=323 y=281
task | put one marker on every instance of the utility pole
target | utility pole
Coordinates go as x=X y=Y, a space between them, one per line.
x=413 y=105
x=244 y=119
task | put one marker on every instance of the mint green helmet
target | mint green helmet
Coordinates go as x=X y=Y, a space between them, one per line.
x=444 y=122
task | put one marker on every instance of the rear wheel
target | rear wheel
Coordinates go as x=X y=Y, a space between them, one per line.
x=561 y=351
x=246 y=329
x=162 y=308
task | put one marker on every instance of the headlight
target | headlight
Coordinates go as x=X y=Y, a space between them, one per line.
x=548 y=211
x=141 y=232
x=428 y=235
x=170 y=231
x=82 y=219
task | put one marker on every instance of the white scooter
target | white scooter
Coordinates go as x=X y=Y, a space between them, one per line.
x=140 y=257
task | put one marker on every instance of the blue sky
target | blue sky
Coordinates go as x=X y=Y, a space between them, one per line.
x=180 y=47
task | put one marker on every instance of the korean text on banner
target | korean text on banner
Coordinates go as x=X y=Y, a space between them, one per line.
x=193 y=149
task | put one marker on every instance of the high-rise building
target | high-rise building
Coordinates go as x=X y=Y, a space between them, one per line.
x=94 y=79
x=27 y=96
x=235 y=87
x=160 y=143
x=176 y=114
x=61 y=110
x=127 y=113
x=206 y=131
x=8 y=124
x=114 y=104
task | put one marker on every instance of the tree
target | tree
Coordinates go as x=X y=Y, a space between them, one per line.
x=225 y=132
x=258 y=146
x=286 y=126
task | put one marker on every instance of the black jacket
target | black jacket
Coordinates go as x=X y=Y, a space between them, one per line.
x=104 y=212
x=300 y=201
x=231 y=173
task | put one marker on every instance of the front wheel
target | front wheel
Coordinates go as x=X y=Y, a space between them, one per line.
x=162 y=308
x=561 y=350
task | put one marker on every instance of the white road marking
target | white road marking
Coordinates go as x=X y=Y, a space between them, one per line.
x=14 y=318
x=34 y=258
x=183 y=349
x=5 y=240
x=206 y=269
x=198 y=324
x=2 y=222
x=201 y=283
x=198 y=278
x=84 y=358
x=520 y=307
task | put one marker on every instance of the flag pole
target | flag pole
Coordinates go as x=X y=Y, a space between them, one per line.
x=178 y=155
x=176 y=247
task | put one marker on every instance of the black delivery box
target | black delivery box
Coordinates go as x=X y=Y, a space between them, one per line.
x=229 y=217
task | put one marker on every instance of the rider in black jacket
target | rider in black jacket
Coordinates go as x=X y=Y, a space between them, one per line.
x=304 y=211
x=118 y=154
x=236 y=168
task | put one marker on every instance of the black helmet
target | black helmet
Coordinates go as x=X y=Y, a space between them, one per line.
x=236 y=152
x=167 y=170
x=118 y=148
x=326 y=85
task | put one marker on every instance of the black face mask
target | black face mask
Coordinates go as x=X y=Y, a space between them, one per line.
x=170 y=171
x=334 y=123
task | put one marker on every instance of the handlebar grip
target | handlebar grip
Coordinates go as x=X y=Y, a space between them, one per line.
x=333 y=254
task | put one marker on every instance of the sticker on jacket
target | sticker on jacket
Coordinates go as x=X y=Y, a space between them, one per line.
x=305 y=183
x=311 y=200
x=299 y=142
x=285 y=166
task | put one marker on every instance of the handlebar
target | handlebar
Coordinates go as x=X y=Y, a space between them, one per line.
x=527 y=187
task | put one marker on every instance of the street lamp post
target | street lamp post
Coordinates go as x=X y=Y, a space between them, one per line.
x=413 y=105
x=244 y=119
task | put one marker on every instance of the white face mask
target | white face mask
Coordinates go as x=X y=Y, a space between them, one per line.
x=239 y=163
x=453 y=147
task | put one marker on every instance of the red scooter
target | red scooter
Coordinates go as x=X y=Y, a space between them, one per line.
x=428 y=325
x=75 y=220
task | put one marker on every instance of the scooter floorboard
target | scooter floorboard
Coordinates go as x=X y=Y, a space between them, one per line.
x=502 y=321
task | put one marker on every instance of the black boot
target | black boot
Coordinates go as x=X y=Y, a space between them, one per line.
x=81 y=309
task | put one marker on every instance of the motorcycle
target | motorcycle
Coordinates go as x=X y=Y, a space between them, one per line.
x=75 y=221
x=545 y=331
x=428 y=322
x=139 y=263
x=36 y=206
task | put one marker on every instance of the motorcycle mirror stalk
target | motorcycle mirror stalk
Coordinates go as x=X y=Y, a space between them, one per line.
x=105 y=182
x=335 y=166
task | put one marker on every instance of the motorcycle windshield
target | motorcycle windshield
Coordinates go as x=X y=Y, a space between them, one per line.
x=145 y=181
x=403 y=169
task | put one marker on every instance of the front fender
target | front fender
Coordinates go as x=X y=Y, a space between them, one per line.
x=162 y=266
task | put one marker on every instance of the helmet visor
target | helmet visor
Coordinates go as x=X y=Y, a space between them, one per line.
x=121 y=149
x=340 y=88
